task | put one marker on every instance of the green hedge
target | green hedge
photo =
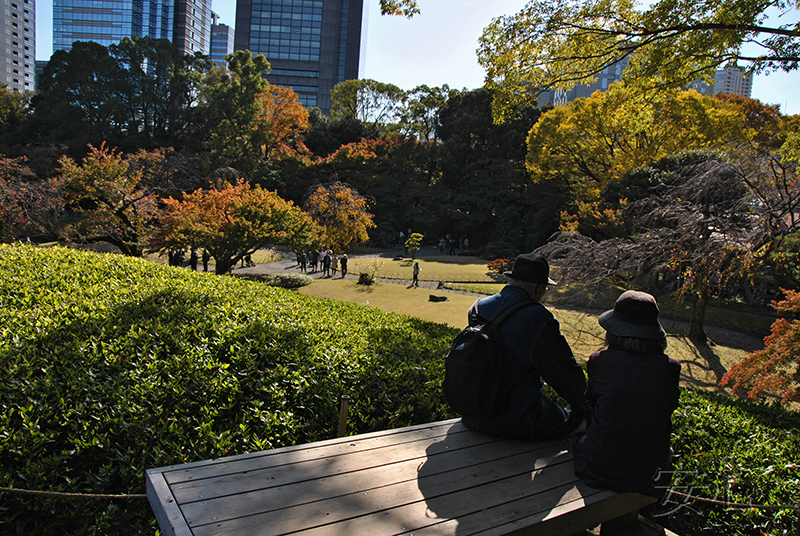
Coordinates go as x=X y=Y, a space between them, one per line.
x=114 y=365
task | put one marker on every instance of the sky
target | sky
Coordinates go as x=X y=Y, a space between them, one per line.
x=438 y=46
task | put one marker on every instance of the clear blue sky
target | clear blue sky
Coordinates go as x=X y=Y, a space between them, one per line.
x=438 y=46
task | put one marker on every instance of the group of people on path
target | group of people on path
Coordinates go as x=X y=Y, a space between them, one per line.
x=449 y=243
x=620 y=419
x=327 y=261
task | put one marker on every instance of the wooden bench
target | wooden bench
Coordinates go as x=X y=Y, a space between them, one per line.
x=436 y=478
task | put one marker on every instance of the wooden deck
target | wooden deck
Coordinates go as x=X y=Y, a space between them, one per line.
x=437 y=478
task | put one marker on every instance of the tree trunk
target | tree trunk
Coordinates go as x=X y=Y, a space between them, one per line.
x=696 y=332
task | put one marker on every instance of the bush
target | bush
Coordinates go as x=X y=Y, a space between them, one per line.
x=366 y=270
x=500 y=266
x=290 y=281
x=113 y=365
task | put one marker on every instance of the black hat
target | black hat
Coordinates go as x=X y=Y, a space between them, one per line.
x=531 y=268
x=635 y=314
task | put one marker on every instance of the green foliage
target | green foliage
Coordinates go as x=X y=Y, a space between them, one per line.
x=735 y=451
x=290 y=281
x=413 y=244
x=554 y=44
x=112 y=365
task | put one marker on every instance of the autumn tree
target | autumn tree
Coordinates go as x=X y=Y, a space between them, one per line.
x=668 y=44
x=597 y=139
x=27 y=205
x=233 y=221
x=116 y=196
x=775 y=370
x=342 y=212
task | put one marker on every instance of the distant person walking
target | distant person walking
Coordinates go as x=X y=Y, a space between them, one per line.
x=415 y=281
x=334 y=265
x=344 y=265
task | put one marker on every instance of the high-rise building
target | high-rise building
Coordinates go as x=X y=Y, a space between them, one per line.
x=221 y=41
x=311 y=45
x=19 y=54
x=186 y=23
x=193 y=19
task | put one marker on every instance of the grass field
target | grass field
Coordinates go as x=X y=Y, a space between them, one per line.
x=703 y=367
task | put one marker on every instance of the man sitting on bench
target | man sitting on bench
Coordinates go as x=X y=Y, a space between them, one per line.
x=534 y=351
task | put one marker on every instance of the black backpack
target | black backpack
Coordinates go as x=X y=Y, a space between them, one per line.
x=472 y=384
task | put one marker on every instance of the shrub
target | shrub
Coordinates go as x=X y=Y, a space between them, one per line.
x=367 y=269
x=500 y=266
x=114 y=365
x=290 y=281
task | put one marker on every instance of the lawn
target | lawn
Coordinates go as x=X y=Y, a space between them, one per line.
x=703 y=367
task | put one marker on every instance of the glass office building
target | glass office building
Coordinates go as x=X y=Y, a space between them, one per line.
x=312 y=45
x=186 y=23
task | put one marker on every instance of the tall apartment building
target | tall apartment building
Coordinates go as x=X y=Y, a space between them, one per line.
x=311 y=45
x=187 y=23
x=19 y=53
x=733 y=80
x=221 y=41
x=193 y=19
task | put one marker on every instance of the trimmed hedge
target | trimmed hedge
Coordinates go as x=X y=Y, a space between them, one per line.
x=114 y=365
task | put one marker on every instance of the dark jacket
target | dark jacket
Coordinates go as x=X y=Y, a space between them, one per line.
x=535 y=351
x=627 y=441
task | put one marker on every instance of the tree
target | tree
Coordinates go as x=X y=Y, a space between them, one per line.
x=670 y=43
x=27 y=205
x=691 y=225
x=413 y=244
x=233 y=221
x=158 y=91
x=139 y=93
x=286 y=117
x=117 y=196
x=342 y=212
x=775 y=370
x=373 y=103
x=420 y=115
x=407 y=8
x=592 y=141
x=238 y=132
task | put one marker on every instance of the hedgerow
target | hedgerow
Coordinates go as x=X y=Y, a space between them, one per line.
x=113 y=365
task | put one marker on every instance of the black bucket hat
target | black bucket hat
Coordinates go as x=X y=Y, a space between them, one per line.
x=635 y=314
x=532 y=268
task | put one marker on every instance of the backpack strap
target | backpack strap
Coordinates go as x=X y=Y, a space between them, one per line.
x=503 y=313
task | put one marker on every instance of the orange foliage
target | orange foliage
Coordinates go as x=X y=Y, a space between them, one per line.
x=284 y=115
x=234 y=221
x=775 y=370
x=342 y=212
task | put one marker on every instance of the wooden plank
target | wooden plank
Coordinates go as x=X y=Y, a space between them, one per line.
x=166 y=509
x=480 y=464
x=209 y=468
x=409 y=504
x=371 y=477
x=303 y=469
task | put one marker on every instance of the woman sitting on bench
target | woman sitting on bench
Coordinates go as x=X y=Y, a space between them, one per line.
x=632 y=391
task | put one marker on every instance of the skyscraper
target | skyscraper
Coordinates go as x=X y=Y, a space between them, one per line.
x=312 y=45
x=221 y=41
x=186 y=23
x=19 y=54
